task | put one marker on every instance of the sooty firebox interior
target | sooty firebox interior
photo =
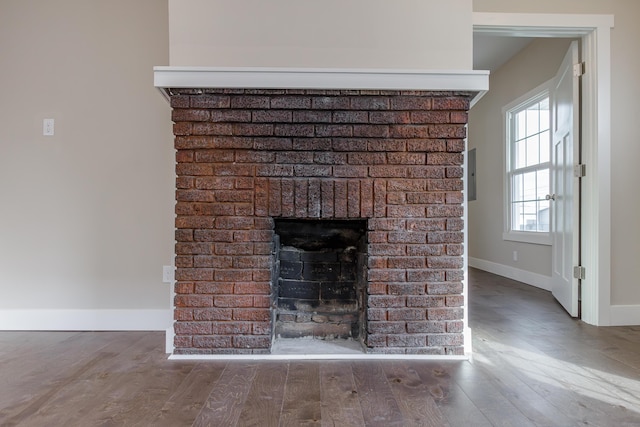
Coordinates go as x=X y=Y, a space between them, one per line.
x=319 y=279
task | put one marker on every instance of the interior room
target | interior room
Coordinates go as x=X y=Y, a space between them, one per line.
x=319 y=213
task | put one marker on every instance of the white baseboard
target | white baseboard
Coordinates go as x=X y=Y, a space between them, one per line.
x=468 y=342
x=85 y=320
x=534 y=279
x=625 y=315
x=168 y=340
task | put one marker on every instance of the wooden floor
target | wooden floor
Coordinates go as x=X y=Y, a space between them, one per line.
x=532 y=366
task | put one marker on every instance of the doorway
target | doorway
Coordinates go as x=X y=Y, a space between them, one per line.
x=594 y=33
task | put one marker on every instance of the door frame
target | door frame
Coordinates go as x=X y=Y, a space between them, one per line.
x=595 y=33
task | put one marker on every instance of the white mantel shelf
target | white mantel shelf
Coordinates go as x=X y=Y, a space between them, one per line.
x=321 y=78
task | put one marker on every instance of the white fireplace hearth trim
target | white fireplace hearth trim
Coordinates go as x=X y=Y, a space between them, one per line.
x=332 y=356
x=166 y=77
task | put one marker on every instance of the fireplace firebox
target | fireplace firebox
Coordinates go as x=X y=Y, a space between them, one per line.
x=319 y=282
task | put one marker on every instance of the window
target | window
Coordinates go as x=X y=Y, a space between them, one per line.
x=528 y=158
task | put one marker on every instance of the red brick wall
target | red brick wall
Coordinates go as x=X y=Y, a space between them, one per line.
x=245 y=157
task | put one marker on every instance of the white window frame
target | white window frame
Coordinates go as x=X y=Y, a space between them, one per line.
x=537 y=94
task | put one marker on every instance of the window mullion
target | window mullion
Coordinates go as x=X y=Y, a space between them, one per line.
x=532 y=168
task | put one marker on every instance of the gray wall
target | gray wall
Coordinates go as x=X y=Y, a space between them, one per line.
x=87 y=214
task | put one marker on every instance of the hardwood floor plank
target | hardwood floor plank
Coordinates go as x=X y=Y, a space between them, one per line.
x=488 y=399
x=143 y=403
x=518 y=392
x=580 y=404
x=602 y=375
x=416 y=403
x=65 y=350
x=13 y=344
x=454 y=404
x=188 y=398
x=28 y=392
x=38 y=410
x=379 y=405
x=623 y=345
x=105 y=389
x=340 y=402
x=264 y=402
x=301 y=406
x=563 y=364
x=225 y=403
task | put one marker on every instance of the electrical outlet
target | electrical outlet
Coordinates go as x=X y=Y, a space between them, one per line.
x=167 y=273
x=515 y=256
x=48 y=127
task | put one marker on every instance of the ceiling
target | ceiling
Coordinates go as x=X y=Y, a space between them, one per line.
x=491 y=51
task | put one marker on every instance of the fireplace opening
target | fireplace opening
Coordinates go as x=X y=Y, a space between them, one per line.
x=319 y=280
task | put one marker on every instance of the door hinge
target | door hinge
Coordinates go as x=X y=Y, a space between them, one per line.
x=578 y=69
x=580 y=170
x=579 y=272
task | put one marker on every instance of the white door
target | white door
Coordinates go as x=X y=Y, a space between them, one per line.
x=565 y=187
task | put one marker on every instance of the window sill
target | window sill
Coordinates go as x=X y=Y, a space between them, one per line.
x=524 y=237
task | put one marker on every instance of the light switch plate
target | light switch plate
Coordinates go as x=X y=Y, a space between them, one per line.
x=48 y=127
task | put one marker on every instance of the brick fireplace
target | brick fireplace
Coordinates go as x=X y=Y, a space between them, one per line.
x=252 y=161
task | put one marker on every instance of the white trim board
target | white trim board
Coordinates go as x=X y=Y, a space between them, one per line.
x=539 y=24
x=168 y=340
x=476 y=81
x=85 y=320
x=625 y=315
x=534 y=279
x=362 y=356
x=319 y=78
